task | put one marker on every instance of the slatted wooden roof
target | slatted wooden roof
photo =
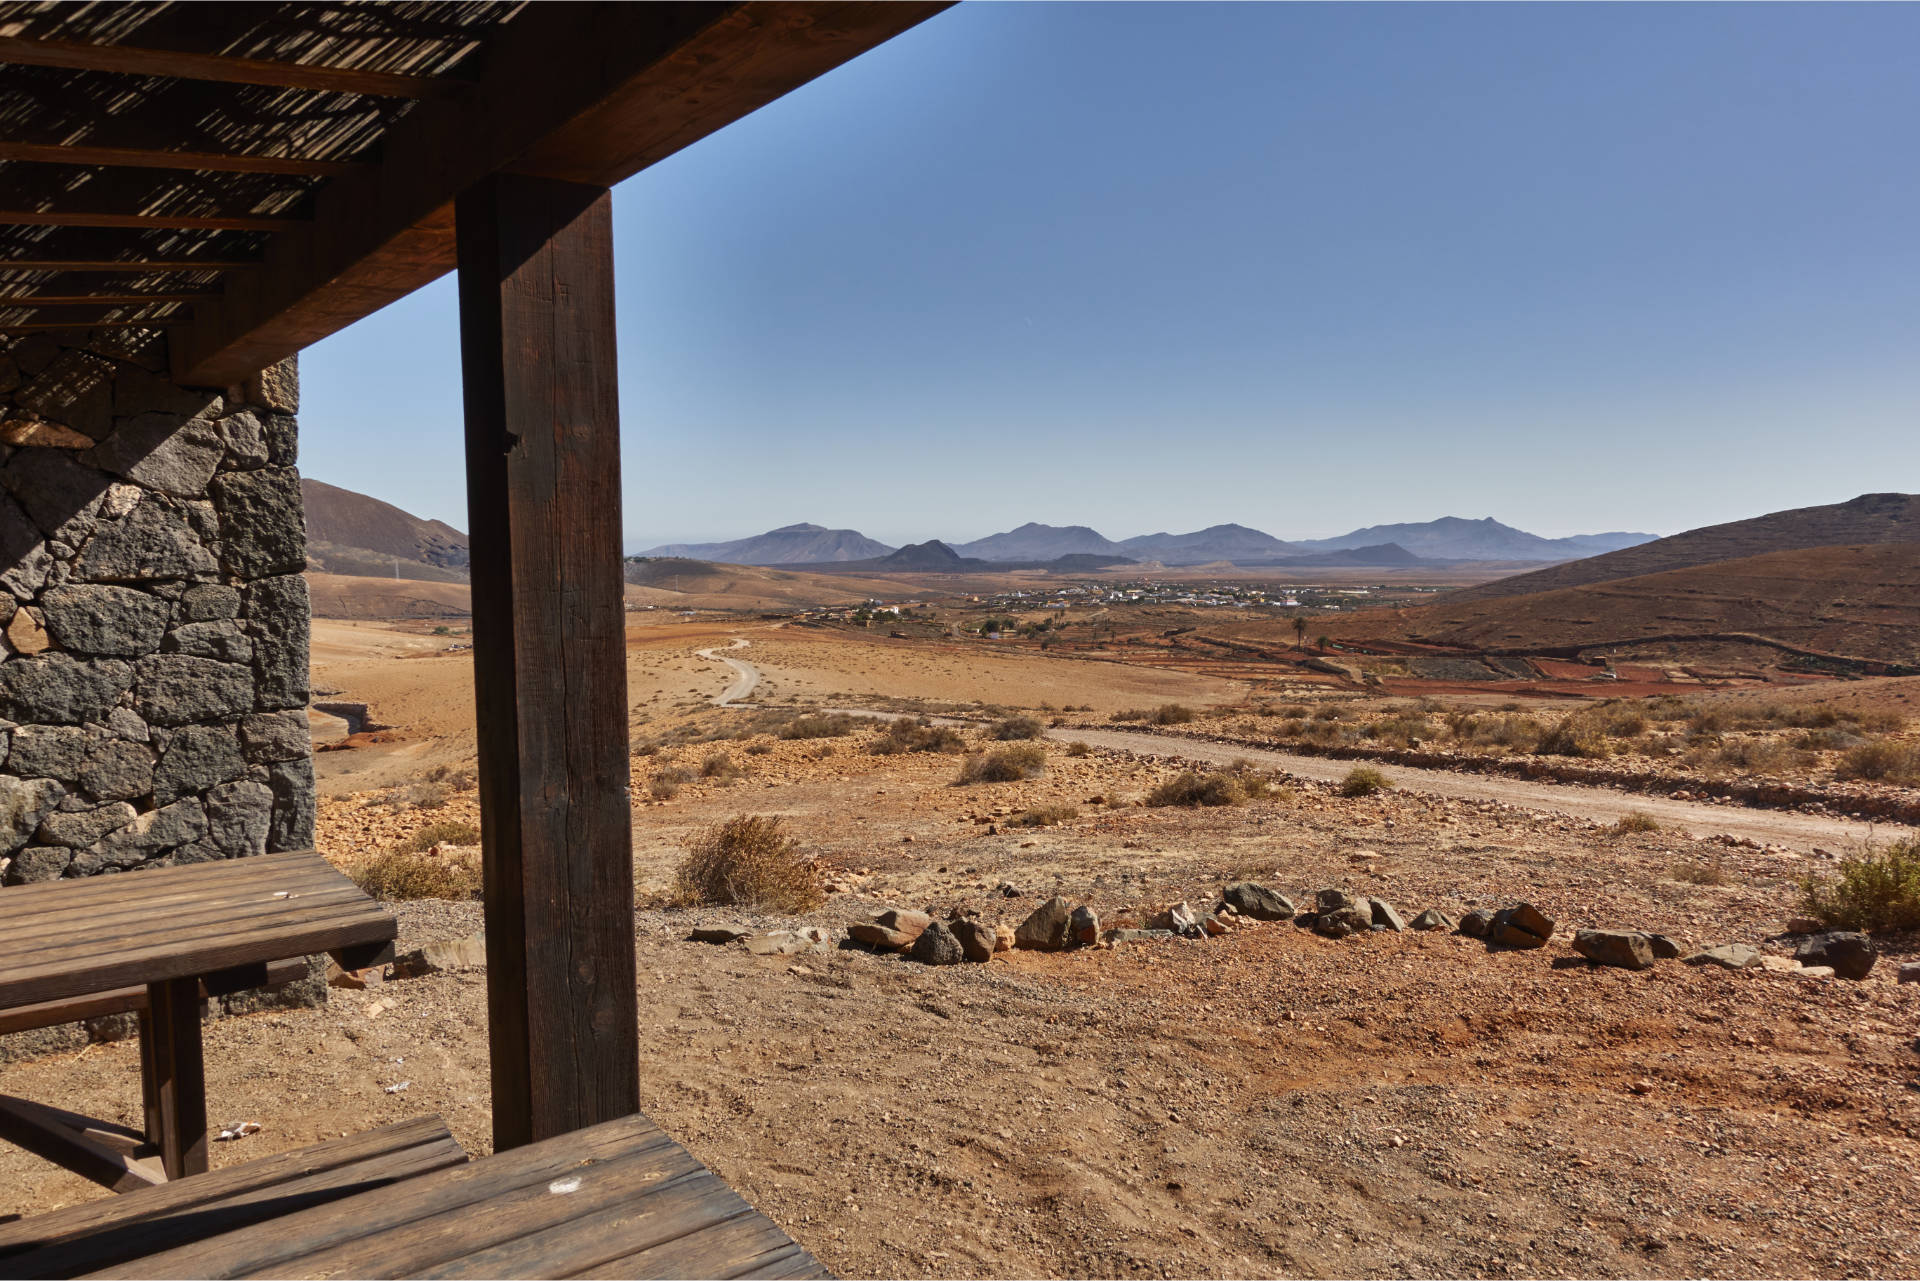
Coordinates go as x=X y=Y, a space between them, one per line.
x=255 y=176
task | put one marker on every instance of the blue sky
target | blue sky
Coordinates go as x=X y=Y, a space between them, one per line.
x=1305 y=267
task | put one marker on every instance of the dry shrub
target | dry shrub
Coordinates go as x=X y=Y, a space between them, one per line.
x=1697 y=872
x=410 y=874
x=748 y=861
x=837 y=725
x=759 y=749
x=1005 y=765
x=1014 y=728
x=1876 y=890
x=1078 y=748
x=1632 y=822
x=1364 y=780
x=1045 y=816
x=665 y=783
x=904 y=735
x=428 y=794
x=445 y=832
x=1192 y=788
x=1882 y=761
x=1165 y=714
x=1574 y=736
x=719 y=767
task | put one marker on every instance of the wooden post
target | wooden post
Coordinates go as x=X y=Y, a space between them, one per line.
x=178 y=1084
x=549 y=642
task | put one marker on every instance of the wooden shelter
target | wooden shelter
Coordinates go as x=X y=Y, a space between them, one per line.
x=251 y=177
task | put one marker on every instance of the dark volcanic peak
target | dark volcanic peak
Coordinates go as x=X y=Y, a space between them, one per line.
x=1456 y=538
x=349 y=533
x=1868 y=519
x=1204 y=546
x=1033 y=541
x=801 y=544
x=930 y=555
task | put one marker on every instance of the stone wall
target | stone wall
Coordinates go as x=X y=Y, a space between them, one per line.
x=153 y=661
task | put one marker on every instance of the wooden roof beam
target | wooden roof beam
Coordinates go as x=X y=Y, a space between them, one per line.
x=141 y=158
x=587 y=93
x=186 y=222
x=77 y=55
x=124 y=268
x=98 y=300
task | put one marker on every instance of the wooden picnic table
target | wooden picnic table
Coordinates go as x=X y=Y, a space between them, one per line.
x=618 y=1199
x=204 y=929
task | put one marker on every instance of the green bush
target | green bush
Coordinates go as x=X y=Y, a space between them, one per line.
x=1005 y=765
x=1876 y=890
x=1364 y=780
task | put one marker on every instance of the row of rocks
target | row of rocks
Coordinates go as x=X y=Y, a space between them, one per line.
x=153 y=616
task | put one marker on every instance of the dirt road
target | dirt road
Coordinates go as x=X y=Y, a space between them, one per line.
x=1778 y=827
x=746 y=675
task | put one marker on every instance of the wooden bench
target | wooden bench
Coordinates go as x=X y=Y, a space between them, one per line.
x=108 y=1233
x=619 y=1199
x=124 y=1000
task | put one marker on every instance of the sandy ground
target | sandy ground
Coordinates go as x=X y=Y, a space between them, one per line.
x=1271 y=1103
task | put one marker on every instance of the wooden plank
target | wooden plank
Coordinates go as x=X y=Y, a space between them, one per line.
x=646 y=80
x=179 y=1075
x=473 y=1188
x=98 y=300
x=170 y=221
x=124 y=1000
x=123 y=59
x=68 y=943
x=549 y=630
x=99 y=1234
x=128 y=267
x=147 y=158
x=98 y=1157
x=619 y=1199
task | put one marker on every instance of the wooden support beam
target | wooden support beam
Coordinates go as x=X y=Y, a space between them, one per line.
x=97 y=300
x=178 y=1075
x=142 y=158
x=549 y=633
x=101 y=1151
x=36 y=326
x=655 y=78
x=77 y=55
x=165 y=221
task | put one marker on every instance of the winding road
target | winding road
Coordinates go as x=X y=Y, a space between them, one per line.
x=746 y=677
x=1769 y=827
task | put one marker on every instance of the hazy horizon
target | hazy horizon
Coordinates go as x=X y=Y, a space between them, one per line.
x=1581 y=268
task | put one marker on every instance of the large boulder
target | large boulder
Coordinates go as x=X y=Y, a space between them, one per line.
x=1046 y=929
x=1628 y=949
x=1257 y=901
x=1434 y=919
x=1850 y=953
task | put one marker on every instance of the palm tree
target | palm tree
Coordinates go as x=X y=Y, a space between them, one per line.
x=1299 y=630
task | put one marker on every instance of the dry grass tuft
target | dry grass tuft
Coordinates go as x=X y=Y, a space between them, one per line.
x=1014 y=728
x=748 y=861
x=1697 y=872
x=403 y=873
x=1364 y=780
x=1045 y=816
x=1631 y=823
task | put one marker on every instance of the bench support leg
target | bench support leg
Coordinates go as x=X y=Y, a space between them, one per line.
x=175 y=1076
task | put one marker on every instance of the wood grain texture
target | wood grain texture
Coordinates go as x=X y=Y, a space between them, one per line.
x=95 y=1151
x=99 y=1234
x=179 y=1075
x=123 y=1000
x=543 y=483
x=617 y=1199
x=79 y=55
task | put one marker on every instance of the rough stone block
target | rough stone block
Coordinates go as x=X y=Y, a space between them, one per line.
x=222 y=640
x=37 y=863
x=117 y=769
x=277 y=387
x=278 y=618
x=177 y=689
x=24 y=558
x=239 y=816
x=261 y=522
x=161 y=452
x=49 y=751
x=148 y=836
x=197 y=758
x=117 y=622
x=58 y=689
x=24 y=804
x=82 y=828
x=276 y=736
x=61 y=496
x=291 y=827
x=209 y=602
x=152 y=542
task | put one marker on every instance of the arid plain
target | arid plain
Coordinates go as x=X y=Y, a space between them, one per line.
x=1269 y=1101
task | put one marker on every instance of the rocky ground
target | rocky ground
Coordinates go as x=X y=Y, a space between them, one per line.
x=1268 y=1102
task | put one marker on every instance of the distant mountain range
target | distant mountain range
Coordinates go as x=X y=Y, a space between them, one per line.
x=1447 y=539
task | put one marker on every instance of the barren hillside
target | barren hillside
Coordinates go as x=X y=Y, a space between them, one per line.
x=351 y=533
x=1870 y=518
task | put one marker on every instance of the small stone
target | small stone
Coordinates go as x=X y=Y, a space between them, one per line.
x=1664 y=948
x=1139 y=936
x=1007 y=889
x=1908 y=973
x=24 y=804
x=1332 y=900
x=353 y=980
x=1851 y=953
x=469 y=953
x=1341 y=922
x=1434 y=919
x=1214 y=926
x=1521 y=926
x=1083 y=927
x=37 y=863
x=1045 y=929
x=1728 y=956
x=1257 y=901
x=1804 y=925
x=976 y=939
x=1814 y=972
x=937 y=946
x=718 y=934
x=1004 y=939
x=84 y=827
x=1627 y=949
x=27 y=634
x=787 y=942
x=1385 y=917
x=1180 y=918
